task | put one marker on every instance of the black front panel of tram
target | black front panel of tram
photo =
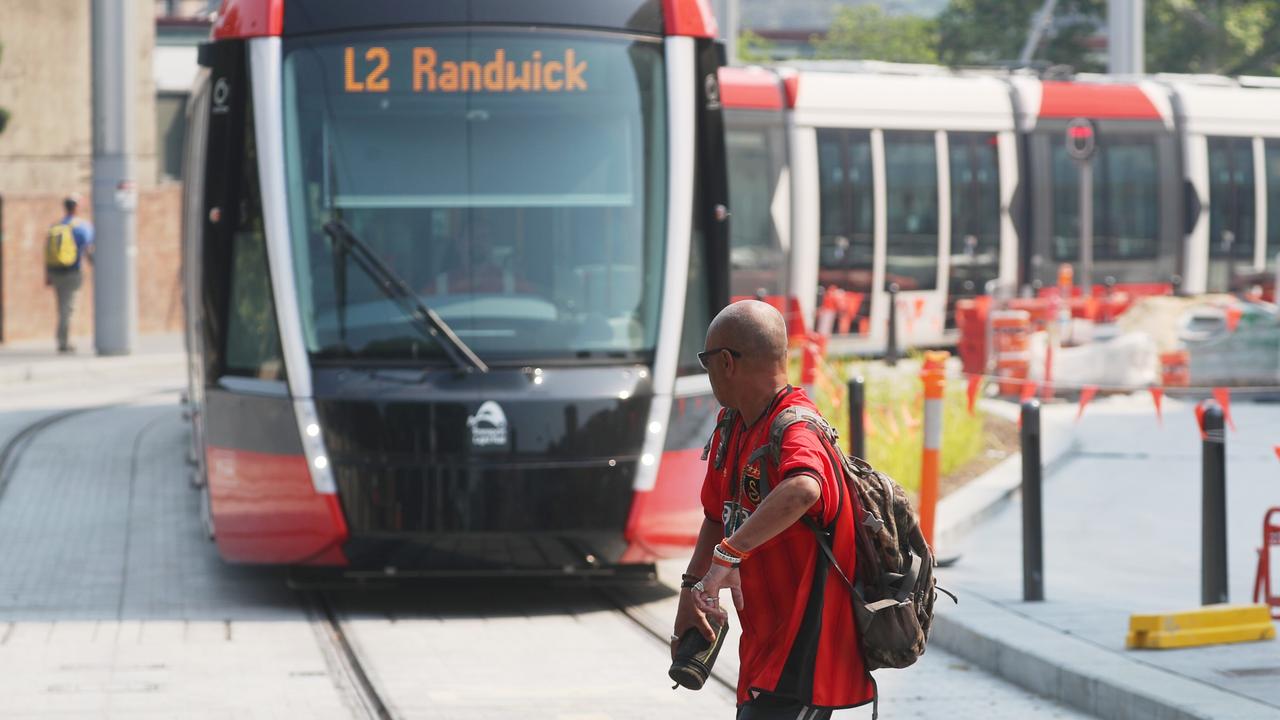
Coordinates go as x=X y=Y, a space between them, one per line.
x=442 y=453
x=317 y=16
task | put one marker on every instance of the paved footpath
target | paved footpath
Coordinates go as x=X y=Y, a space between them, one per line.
x=1122 y=535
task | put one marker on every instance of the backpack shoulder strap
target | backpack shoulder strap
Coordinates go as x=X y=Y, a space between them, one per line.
x=723 y=428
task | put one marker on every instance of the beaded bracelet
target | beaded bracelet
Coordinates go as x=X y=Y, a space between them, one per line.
x=687 y=581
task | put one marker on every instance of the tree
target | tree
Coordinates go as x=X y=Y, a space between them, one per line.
x=867 y=32
x=753 y=48
x=986 y=32
x=4 y=114
x=1227 y=37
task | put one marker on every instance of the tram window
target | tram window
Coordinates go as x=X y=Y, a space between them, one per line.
x=253 y=342
x=1272 y=155
x=1126 y=200
x=847 y=245
x=754 y=255
x=532 y=222
x=975 y=211
x=1231 y=199
x=911 y=197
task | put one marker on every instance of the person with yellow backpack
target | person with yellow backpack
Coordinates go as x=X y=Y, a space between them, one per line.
x=70 y=240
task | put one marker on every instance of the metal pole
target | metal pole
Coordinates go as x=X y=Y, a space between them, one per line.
x=1213 y=524
x=1038 y=27
x=857 y=410
x=1086 y=227
x=891 y=348
x=1032 y=501
x=1125 y=37
x=115 y=297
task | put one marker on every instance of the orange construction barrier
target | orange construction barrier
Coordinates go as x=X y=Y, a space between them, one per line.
x=1010 y=339
x=1175 y=368
x=1262 y=592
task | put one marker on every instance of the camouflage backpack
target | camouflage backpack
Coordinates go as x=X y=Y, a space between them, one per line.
x=894 y=590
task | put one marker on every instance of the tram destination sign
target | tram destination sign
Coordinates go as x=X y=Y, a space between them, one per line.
x=1082 y=139
x=370 y=69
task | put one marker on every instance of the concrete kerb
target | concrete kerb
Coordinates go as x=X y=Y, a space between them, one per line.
x=54 y=370
x=1042 y=659
x=1094 y=679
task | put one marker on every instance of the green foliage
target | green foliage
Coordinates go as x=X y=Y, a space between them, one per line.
x=895 y=411
x=867 y=32
x=753 y=48
x=984 y=32
x=1229 y=37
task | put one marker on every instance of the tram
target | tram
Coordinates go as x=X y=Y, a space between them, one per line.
x=448 y=266
x=955 y=184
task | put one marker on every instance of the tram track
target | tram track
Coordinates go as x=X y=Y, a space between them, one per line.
x=14 y=448
x=344 y=662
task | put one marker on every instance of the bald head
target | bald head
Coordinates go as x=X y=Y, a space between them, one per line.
x=753 y=328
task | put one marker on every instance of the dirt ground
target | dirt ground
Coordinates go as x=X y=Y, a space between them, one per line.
x=1001 y=442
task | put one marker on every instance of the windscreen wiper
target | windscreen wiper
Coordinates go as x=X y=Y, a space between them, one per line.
x=395 y=288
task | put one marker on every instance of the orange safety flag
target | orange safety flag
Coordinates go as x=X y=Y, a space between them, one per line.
x=909 y=420
x=1157 y=395
x=1200 y=418
x=975 y=382
x=891 y=423
x=1277 y=449
x=1086 y=394
x=868 y=427
x=1223 y=396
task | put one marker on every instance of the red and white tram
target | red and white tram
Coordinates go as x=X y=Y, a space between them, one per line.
x=448 y=266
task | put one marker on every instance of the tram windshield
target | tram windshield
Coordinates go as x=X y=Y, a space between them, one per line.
x=513 y=179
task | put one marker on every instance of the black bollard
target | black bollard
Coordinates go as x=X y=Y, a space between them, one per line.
x=1032 y=501
x=857 y=404
x=891 y=348
x=1213 y=523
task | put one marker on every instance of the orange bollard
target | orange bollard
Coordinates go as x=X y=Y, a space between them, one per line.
x=934 y=376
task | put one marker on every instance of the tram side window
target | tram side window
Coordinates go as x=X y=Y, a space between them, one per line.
x=754 y=256
x=911 y=193
x=975 y=211
x=847 y=245
x=1272 y=155
x=253 y=341
x=1126 y=200
x=1231 y=199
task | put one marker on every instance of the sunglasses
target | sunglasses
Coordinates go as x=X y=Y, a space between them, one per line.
x=705 y=355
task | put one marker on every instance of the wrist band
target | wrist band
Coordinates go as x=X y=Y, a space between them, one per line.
x=687 y=581
x=730 y=549
x=722 y=557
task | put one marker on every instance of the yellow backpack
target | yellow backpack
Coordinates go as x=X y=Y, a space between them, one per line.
x=60 y=251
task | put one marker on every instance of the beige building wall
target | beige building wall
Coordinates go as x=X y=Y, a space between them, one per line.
x=46 y=84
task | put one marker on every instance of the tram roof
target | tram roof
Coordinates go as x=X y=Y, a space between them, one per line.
x=264 y=18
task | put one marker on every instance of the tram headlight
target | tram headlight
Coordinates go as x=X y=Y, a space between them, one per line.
x=313 y=447
x=646 y=459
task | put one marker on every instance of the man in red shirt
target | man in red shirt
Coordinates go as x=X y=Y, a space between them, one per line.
x=799 y=651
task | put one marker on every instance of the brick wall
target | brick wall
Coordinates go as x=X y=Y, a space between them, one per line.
x=28 y=308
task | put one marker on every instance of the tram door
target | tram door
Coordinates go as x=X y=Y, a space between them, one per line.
x=1231 y=210
x=975 y=216
x=881 y=206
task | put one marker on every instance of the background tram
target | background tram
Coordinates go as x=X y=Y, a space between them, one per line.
x=448 y=267
x=956 y=184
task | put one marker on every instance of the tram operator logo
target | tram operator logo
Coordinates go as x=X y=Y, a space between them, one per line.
x=488 y=426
